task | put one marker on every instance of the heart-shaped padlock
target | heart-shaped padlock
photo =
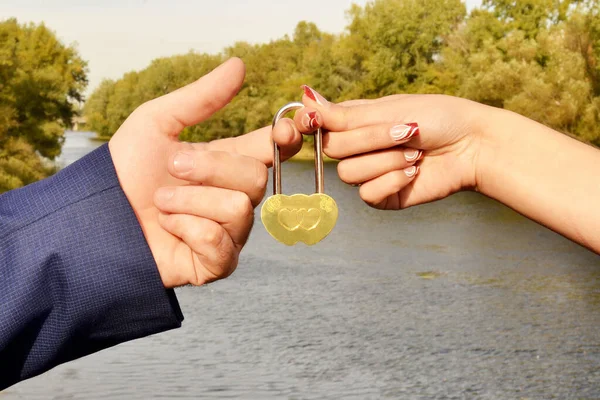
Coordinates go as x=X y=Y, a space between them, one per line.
x=299 y=217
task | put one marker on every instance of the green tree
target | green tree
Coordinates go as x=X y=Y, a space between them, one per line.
x=40 y=79
x=583 y=37
x=20 y=165
x=536 y=57
x=530 y=16
x=392 y=43
x=501 y=58
x=96 y=108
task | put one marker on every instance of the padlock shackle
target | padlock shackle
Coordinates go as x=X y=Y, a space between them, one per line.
x=319 y=185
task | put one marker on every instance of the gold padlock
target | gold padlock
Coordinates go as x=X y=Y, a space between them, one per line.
x=299 y=217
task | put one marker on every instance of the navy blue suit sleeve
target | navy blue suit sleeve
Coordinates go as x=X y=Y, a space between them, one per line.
x=76 y=273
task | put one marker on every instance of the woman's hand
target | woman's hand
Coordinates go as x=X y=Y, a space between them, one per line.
x=542 y=174
x=403 y=150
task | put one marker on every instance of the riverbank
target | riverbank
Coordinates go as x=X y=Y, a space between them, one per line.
x=100 y=138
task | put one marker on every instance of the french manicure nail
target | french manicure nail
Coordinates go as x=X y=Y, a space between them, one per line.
x=183 y=163
x=405 y=131
x=314 y=95
x=411 y=171
x=165 y=194
x=311 y=120
x=412 y=156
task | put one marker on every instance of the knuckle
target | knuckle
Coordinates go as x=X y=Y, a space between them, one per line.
x=398 y=180
x=214 y=236
x=262 y=176
x=394 y=181
x=345 y=113
x=232 y=265
x=242 y=205
x=174 y=223
x=225 y=257
x=193 y=235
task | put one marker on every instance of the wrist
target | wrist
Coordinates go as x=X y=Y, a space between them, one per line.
x=493 y=141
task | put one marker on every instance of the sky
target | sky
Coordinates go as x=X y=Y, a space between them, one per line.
x=117 y=36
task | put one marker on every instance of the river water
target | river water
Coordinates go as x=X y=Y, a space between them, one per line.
x=460 y=299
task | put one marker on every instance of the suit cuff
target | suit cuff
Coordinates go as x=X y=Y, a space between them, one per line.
x=77 y=273
x=110 y=284
x=132 y=300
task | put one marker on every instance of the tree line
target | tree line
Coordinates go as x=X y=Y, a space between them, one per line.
x=539 y=58
x=41 y=83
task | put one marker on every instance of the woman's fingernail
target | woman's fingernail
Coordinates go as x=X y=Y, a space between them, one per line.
x=412 y=156
x=314 y=95
x=183 y=163
x=165 y=194
x=311 y=120
x=411 y=172
x=404 y=132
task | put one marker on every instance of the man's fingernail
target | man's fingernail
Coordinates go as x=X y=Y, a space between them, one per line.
x=412 y=156
x=183 y=163
x=165 y=194
x=412 y=171
x=314 y=95
x=311 y=120
x=405 y=131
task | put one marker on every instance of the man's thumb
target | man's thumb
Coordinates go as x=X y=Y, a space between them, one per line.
x=197 y=101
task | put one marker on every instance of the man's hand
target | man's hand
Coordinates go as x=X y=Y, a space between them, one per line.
x=195 y=201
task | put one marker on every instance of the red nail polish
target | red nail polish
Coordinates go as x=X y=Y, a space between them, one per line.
x=314 y=95
x=413 y=157
x=311 y=120
x=404 y=132
x=309 y=92
x=415 y=131
x=314 y=122
x=411 y=172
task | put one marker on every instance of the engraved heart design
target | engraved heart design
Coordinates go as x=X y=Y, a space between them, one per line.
x=299 y=218
x=311 y=219
x=292 y=219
